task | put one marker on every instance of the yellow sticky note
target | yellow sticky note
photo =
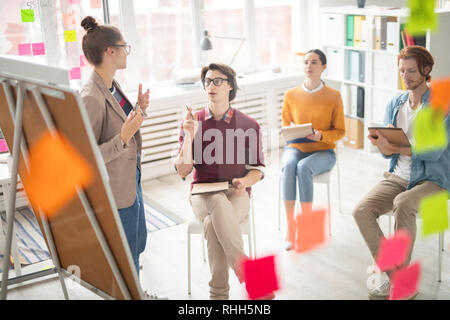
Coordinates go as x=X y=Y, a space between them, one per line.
x=421 y=17
x=429 y=131
x=70 y=35
x=433 y=210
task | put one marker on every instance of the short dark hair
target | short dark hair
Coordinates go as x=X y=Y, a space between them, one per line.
x=227 y=71
x=98 y=39
x=322 y=56
x=422 y=56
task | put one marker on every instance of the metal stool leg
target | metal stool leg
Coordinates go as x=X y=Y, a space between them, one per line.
x=329 y=210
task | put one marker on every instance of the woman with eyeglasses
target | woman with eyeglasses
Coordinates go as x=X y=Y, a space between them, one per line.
x=312 y=102
x=115 y=123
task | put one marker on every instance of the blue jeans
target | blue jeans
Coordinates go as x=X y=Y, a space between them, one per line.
x=133 y=221
x=303 y=167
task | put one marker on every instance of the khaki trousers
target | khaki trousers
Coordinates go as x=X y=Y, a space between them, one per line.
x=391 y=194
x=221 y=213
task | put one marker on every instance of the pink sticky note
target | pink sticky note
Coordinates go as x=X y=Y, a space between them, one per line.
x=24 y=49
x=405 y=282
x=75 y=73
x=74 y=1
x=38 y=49
x=260 y=277
x=96 y=4
x=393 y=251
x=3 y=146
x=83 y=61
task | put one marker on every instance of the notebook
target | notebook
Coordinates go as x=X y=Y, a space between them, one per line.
x=199 y=188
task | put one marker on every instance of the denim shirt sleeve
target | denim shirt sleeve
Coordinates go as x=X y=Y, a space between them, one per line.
x=435 y=155
x=389 y=119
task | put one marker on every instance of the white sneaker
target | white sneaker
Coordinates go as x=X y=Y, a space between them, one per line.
x=153 y=296
x=381 y=292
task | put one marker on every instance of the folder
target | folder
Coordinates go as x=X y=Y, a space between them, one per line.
x=391 y=36
x=353 y=100
x=333 y=29
x=377 y=33
x=354 y=66
x=360 y=102
x=395 y=136
x=364 y=33
x=299 y=131
x=361 y=69
x=335 y=65
x=383 y=33
x=357 y=32
x=199 y=188
x=420 y=41
x=350 y=30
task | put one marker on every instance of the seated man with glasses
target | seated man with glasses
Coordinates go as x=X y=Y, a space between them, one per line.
x=221 y=144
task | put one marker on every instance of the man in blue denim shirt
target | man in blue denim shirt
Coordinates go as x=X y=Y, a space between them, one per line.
x=411 y=176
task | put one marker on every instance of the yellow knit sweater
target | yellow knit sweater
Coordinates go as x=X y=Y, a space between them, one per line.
x=322 y=108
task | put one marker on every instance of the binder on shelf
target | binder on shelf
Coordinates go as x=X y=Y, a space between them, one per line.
x=333 y=29
x=402 y=36
x=335 y=65
x=353 y=100
x=357 y=32
x=377 y=33
x=383 y=35
x=360 y=102
x=361 y=68
x=364 y=33
x=391 y=36
x=350 y=30
x=420 y=41
x=353 y=65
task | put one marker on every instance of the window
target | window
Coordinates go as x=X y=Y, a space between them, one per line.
x=273 y=32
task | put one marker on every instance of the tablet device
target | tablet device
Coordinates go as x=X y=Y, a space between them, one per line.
x=298 y=131
x=395 y=136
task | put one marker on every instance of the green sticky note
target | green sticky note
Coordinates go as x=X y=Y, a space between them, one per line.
x=433 y=210
x=27 y=15
x=421 y=17
x=70 y=35
x=429 y=132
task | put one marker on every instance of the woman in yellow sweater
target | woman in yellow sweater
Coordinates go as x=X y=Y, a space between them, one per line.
x=312 y=102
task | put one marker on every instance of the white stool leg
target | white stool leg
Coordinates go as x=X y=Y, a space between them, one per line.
x=279 y=203
x=329 y=210
x=250 y=251
x=390 y=226
x=253 y=229
x=189 y=261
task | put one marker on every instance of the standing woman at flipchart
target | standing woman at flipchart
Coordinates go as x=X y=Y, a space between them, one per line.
x=311 y=102
x=116 y=126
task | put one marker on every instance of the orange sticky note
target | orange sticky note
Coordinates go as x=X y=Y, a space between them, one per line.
x=440 y=94
x=56 y=169
x=96 y=4
x=405 y=282
x=69 y=20
x=310 y=230
x=393 y=251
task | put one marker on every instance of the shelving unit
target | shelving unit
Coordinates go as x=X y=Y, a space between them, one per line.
x=381 y=79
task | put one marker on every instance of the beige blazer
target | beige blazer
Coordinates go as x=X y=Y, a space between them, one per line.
x=107 y=118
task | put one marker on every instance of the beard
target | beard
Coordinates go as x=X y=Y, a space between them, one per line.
x=417 y=84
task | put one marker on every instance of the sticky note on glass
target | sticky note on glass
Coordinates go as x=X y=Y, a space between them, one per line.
x=405 y=282
x=260 y=277
x=75 y=73
x=434 y=212
x=38 y=49
x=393 y=251
x=310 y=230
x=74 y=1
x=83 y=61
x=70 y=35
x=96 y=4
x=27 y=15
x=50 y=158
x=24 y=49
x=421 y=17
x=3 y=146
x=429 y=131
x=440 y=95
x=69 y=20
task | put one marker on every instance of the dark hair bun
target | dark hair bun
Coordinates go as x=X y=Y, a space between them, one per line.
x=89 y=23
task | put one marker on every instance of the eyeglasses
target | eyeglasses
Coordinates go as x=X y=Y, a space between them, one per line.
x=217 y=81
x=126 y=46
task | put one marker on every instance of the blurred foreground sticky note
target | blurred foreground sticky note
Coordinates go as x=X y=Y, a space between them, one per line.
x=74 y=1
x=24 y=49
x=405 y=282
x=56 y=169
x=69 y=20
x=433 y=210
x=38 y=49
x=429 y=132
x=3 y=146
x=83 y=61
x=75 y=73
x=440 y=94
x=310 y=230
x=96 y=4
x=260 y=277
x=70 y=35
x=421 y=17
x=393 y=251
x=27 y=15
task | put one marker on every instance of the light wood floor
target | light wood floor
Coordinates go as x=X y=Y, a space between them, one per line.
x=337 y=270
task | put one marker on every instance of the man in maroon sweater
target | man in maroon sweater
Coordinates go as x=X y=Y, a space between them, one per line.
x=221 y=144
